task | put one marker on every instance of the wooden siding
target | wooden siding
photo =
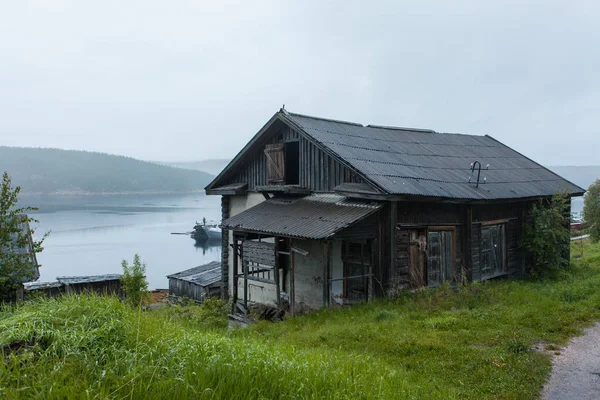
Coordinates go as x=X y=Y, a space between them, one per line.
x=318 y=171
x=181 y=288
x=435 y=216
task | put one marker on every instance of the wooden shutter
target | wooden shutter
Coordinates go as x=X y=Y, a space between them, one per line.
x=275 y=163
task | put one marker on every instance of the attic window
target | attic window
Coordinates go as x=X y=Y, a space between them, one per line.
x=292 y=163
x=283 y=163
x=275 y=163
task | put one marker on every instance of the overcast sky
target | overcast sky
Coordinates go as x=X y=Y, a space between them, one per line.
x=189 y=80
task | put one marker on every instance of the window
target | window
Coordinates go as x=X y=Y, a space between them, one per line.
x=493 y=251
x=357 y=262
x=292 y=163
x=275 y=164
x=440 y=257
x=283 y=163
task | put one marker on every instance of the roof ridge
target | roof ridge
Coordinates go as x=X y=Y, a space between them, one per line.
x=400 y=128
x=322 y=119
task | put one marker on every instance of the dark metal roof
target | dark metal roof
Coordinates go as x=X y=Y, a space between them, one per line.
x=313 y=217
x=73 y=280
x=405 y=161
x=203 y=275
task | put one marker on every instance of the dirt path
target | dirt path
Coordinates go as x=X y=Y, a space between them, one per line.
x=576 y=371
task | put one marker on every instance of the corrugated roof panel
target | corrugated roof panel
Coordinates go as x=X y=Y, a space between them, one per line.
x=71 y=280
x=311 y=217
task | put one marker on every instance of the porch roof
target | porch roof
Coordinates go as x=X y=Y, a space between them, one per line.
x=318 y=216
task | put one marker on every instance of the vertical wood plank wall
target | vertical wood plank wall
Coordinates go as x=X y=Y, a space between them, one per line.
x=318 y=171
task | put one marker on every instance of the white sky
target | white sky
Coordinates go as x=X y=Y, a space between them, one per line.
x=189 y=80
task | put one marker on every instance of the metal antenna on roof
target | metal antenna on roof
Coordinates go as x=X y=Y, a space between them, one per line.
x=473 y=166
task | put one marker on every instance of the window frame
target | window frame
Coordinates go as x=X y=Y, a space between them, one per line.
x=453 y=272
x=492 y=271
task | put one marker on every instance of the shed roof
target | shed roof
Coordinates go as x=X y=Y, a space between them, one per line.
x=202 y=275
x=406 y=161
x=73 y=280
x=312 y=217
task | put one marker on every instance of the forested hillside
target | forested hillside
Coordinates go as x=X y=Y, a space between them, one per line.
x=213 y=166
x=54 y=171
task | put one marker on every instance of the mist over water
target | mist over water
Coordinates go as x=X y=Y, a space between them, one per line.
x=90 y=235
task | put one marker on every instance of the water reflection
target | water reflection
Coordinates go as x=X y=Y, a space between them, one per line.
x=209 y=245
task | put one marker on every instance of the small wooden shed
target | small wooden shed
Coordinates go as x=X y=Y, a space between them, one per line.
x=197 y=283
x=101 y=284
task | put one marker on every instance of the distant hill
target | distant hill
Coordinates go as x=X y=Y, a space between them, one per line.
x=214 y=166
x=583 y=176
x=54 y=171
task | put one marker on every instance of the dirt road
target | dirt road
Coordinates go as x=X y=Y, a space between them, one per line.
x=576 y=371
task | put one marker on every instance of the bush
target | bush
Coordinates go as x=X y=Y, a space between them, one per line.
x=547 y=237
x=134 y=282
x=591 y=210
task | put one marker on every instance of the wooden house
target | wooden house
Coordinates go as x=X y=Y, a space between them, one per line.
x=319 y=212
x=197 y=283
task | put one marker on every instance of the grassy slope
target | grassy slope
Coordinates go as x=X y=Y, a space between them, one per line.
x=39 y=170
x=470 y=343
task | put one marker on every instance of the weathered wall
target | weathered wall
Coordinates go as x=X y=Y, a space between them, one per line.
x=308 y=272
x=412 y=215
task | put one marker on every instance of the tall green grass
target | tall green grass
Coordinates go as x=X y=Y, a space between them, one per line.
x=473 y=342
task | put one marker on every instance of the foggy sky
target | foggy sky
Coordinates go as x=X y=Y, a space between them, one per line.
x=188 y=80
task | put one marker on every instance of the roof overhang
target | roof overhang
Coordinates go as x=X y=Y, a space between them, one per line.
x=319 y=216
x=229 y=190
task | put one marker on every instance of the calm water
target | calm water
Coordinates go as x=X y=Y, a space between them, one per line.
x=92 y=234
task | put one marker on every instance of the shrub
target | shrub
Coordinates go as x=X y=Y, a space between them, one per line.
x=134 y=282
x=591 y=210
x=547 y=237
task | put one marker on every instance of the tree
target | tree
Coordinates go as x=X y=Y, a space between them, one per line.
x=134 y=282
x=17 y=248
x=591 y=210
x=547 y=236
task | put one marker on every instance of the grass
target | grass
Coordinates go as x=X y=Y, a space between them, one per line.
x=473 y=342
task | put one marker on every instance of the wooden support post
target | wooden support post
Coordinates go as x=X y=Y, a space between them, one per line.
x=236 y=272
x=245 y=266
x=276 y=275
x=326 y=274
x=468 y=247
x=393 y=241
x=292 y=288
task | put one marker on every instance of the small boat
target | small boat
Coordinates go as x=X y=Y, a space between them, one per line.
x=207 y=230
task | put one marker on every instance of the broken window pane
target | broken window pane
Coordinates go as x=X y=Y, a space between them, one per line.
x=439 y=257
x=493 y=255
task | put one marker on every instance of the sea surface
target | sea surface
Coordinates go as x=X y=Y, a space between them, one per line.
x=91 y=235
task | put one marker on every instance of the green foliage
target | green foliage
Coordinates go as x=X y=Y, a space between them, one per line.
x=17 y=248
x=471 y=342
x=591 y=210
x=39 y=170
x=134 y=282
x=547 y=237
